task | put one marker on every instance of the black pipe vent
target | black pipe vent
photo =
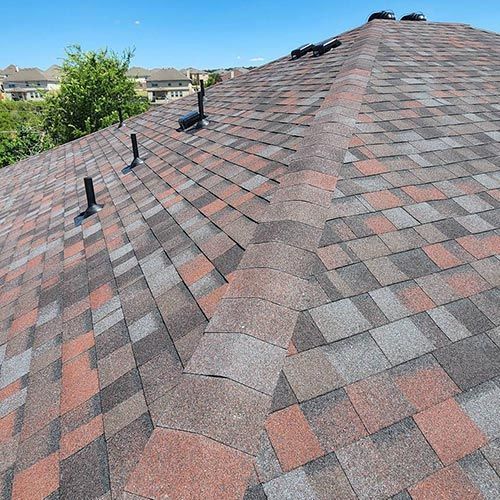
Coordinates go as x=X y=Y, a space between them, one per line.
x=414 y=16
x=383 y=14
x=194 y=118
x=302 y=50
x=326 y=45
x=92 y=206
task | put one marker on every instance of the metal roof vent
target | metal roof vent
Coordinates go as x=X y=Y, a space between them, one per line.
x=325 y=46
x=414 y=16
x=195 y=118
x=303 y=49
x=383 y=14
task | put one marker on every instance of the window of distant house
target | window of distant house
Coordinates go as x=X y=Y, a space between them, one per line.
x=154 y=85
x=169 y=84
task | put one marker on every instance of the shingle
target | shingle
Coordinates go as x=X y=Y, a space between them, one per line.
x=333 y=420
x=378 y=466
x=86 y=473
x=339 y=320
x=239 y=357
x=225 y=410
x=311 y=374
x=401 y=340
x=470 y=361
x=356 y=357
x=482 y=404
x=144 y=326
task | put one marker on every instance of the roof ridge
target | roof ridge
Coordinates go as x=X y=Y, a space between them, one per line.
x=219 y=382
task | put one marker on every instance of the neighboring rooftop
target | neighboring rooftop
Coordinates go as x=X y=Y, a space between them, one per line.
x=138 y=72
x=11 y=68
x=164 y=74
x=299 y=300
x=29 y=75
x=53 y=73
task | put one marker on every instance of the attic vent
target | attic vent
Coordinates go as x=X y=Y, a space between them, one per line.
x=383 y=14
x=303 y=49
x=194 y=118
x=326 y=45
x=414 y=16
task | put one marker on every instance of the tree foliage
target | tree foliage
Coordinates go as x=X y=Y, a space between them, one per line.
x=14 y=114
x=25 y=141
x=94 y=86
x=213 y=78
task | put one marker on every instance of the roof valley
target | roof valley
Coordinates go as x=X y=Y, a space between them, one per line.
x=220 y=406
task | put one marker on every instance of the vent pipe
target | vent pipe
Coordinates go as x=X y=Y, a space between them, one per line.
x=92 y=206
x=135 y=149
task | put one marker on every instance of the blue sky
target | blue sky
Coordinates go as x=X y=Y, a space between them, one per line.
x=204 y=34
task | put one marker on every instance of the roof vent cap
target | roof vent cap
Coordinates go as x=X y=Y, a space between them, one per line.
x=325 y=46
x=414 y=16
x=195 y=118
x=383 y=14
x=303 y=49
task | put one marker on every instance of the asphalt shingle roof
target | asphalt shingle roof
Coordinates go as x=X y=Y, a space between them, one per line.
x=163 y=74
x=298 y=301
x=28 y=75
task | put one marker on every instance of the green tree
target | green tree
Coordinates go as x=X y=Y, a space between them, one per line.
x=13 y=114
x=213 y=78
x=94 y=86
x=26 y=141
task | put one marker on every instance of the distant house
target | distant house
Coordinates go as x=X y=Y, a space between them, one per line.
x=54 y=72
x=4 y=73
x=167 y=84
x=195 y=75
x=11 y=68
x=139 y=75
x=233 y=73
x=28 y=84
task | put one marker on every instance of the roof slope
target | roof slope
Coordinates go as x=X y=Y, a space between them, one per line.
x=98 y=321
x=163 y=74
x=27 y=75
x=338 y=226
x=138 y=71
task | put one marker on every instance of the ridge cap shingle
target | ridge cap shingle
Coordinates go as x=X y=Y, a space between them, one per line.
x=214 y=387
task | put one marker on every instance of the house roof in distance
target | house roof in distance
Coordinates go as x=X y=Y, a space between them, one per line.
x=53 y=73
x=137 y=72
x=28 y=75
x=163 y=74
x=298 y=300
x=11 y=68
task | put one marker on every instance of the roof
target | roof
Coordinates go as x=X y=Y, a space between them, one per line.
x=11 y=68
x=164 y=74
x=137 y=71
x=299 y=300
x=53 y=73
x=27 y=75
x=193 y=70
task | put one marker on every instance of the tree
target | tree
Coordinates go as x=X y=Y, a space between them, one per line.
x=13 y=114
x=94 y=86
x=213 y=78
x=26 y=141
